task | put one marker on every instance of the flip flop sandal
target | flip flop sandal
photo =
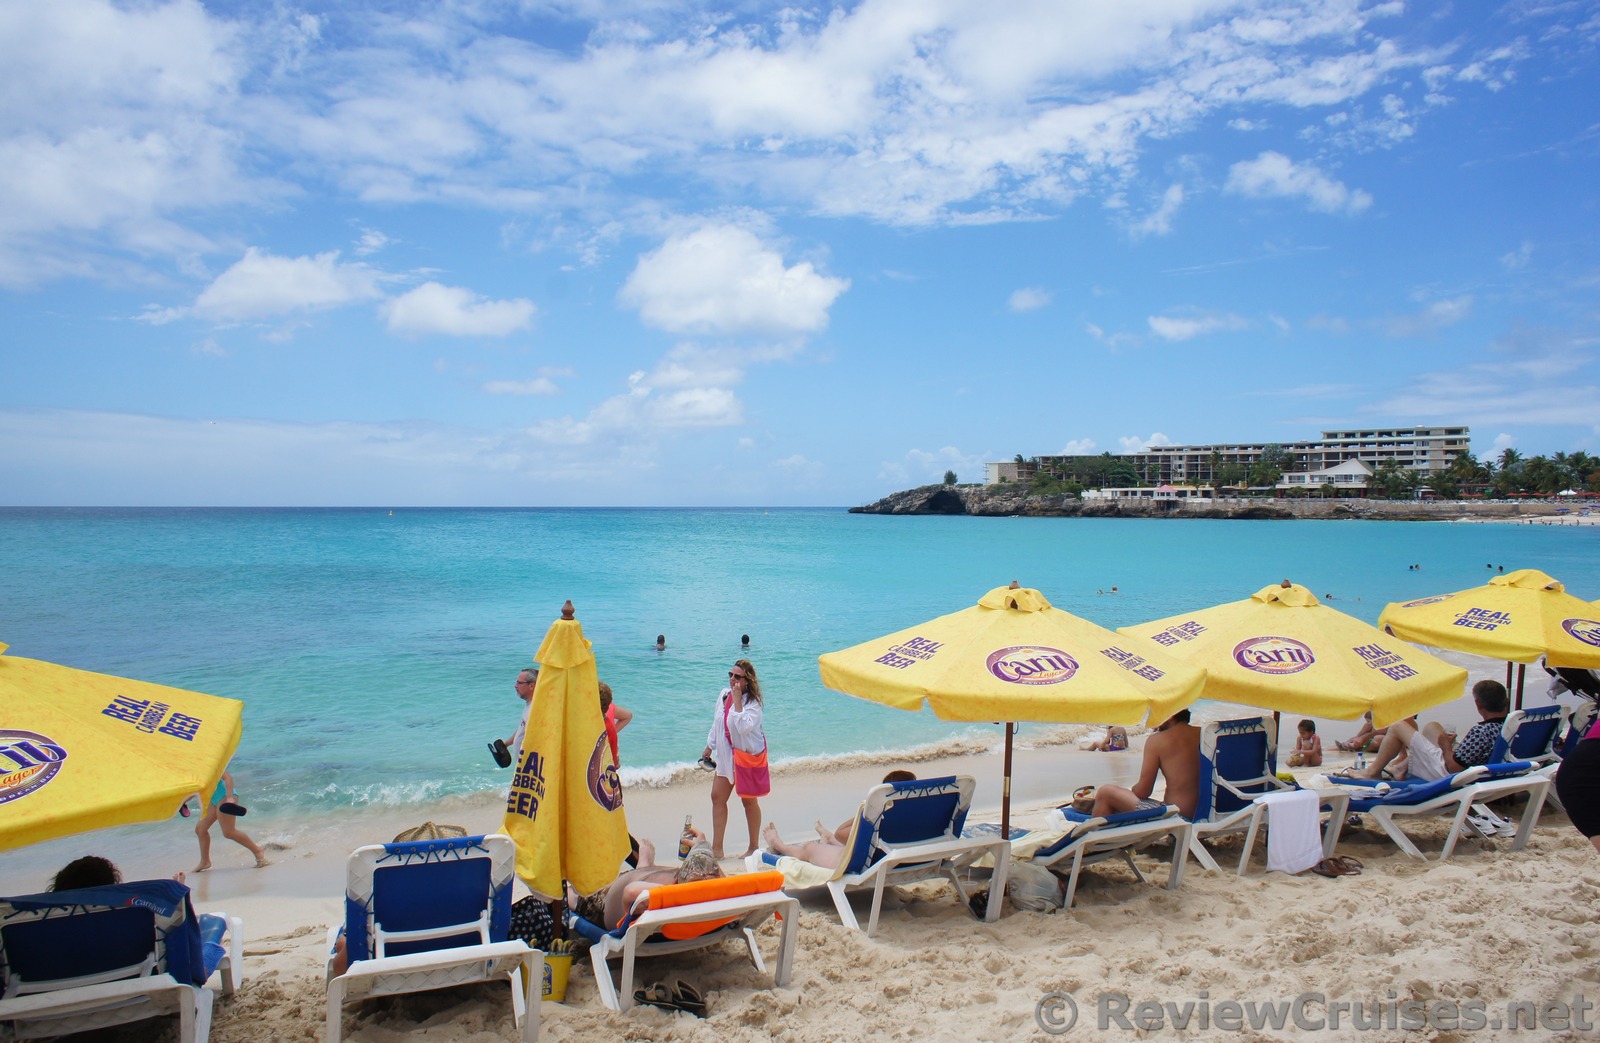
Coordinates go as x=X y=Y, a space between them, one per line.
x=1326 y=868
x=1346 y=865
x=228 y=807
x=657 y=995
x=688 y=998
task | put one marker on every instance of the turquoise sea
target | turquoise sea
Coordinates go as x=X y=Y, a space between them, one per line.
x=375 y=650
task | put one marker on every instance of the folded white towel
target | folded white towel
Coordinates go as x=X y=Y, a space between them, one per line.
x=1294 y=843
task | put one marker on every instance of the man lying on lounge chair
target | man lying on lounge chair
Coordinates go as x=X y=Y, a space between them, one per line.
x=609 y=906
x=1174 y=752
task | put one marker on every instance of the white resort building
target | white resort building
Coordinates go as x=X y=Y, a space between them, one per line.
x=1343 y=459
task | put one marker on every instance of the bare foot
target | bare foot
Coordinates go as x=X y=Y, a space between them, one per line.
x=647 y=852
x=202 y=867
x=770 y=835
x=261 y=862
x=752 y=849
x=178 y=876
x=825 y=833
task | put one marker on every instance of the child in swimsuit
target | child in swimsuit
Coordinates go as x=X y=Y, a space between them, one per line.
x=1307 y=752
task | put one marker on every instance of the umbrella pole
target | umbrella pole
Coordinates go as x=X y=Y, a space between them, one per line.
x=1522 y=673
x=1508 y=675
x=1005 y=792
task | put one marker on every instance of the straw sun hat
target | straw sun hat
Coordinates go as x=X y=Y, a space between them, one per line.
x=430 y=831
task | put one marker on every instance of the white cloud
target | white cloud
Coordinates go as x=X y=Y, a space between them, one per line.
x=1501 y=442
x=1133 y=443
x=1173 y=327
x=721 y=278
x=262 y=285
x=1160 y=221
x=1517 y=259
x=534 y=386
x=1079 y=447
x=1029 y=298
x=1557 y=387
x=1429 y=320
x=371 y=242
x=921 y=467
x=455 y=312
x=1274 y=175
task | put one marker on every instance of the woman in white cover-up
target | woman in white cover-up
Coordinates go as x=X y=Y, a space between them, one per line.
x=735 y=724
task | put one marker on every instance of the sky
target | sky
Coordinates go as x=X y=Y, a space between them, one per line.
x=651 y=252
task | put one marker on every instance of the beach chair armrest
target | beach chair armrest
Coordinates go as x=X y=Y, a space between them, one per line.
x=1234 y=786
x=649 y=921
x=944 y=848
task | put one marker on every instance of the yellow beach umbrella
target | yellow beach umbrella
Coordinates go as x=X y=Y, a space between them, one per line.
x=81 y=751
x=1283 y=649
x=1517 y=617
x=565 y=805
x=1014 y=657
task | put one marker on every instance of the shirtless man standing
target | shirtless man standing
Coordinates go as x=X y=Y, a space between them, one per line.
x=1174 y=751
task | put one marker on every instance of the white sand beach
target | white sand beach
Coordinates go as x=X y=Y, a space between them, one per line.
x=1488 y=926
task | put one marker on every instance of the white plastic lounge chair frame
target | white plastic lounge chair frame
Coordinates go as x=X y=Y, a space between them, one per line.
x=1097 y=840
x=640 y=938
x=385 y=975
x=33 y=1009
x=911 y=831
x=1238 y=763
x=1455 y=796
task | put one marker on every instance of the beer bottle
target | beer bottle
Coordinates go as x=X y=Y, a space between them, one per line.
x=686 y=842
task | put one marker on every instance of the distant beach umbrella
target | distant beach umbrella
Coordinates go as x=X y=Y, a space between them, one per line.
x=1517 y=617
x=81 y=751
x=565 y=805
x=1286 y=650
x=1014 y=657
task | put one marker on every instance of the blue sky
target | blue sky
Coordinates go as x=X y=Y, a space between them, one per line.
x=652 y=252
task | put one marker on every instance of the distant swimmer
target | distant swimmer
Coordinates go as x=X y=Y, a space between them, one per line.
x=744 y=640
x=661 y=642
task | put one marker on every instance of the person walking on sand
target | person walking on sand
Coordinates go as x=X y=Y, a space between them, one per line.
x=736 y=726
x=224 y=795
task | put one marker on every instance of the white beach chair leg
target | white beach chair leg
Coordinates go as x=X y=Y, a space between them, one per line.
x=1386 y=819
x=527 y=990
x=1072 y=878
x=841 y=902
x=997 y=884
x=625 y=979
x=788 y=941
x=755 y=950
x=1457 y=824
x=1530 y=814
x=1127 y=856
x=1250 y=838
x=1181 y=838
x=877 y=904
x=602 y=979
x=335 y=1027
x=1197 y=848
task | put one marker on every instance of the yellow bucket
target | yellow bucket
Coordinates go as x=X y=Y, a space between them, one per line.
x=557 y=966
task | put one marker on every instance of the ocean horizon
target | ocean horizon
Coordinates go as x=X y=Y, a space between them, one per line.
x=374 y=648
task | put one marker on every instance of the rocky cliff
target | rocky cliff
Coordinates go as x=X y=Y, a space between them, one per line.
x=1013 y=500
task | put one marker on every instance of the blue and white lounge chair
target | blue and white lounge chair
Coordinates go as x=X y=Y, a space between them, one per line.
x=674 y=918
x=911 y=831
x=1529 y=735
x=1452 y=795
x=1238 y=763
x=72 y=961
x=429 y=914
x=1091 y=840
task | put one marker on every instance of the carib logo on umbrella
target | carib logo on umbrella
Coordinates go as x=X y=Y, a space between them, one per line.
x=604 y=784
x=28 y=760
x=1428 y=601
x=1273 y=655
x=1585 y=630
x=1031 y=664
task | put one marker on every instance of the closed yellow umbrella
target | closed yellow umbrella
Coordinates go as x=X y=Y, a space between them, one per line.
x=565 y=805
x=81 y=751
x=1282 y=649
x=1014 y=657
